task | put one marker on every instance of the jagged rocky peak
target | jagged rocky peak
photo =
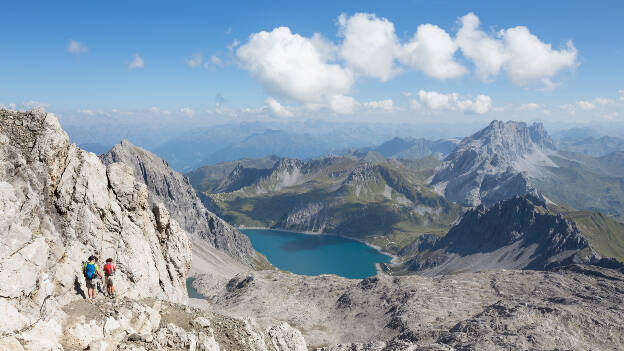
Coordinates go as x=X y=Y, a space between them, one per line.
x=60 y=204
x=509 y=140
x=287 y=164
x=176 y=193
x=518 y=233
x=495 y=163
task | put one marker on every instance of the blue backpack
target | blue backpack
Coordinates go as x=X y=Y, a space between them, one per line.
x=90 y=271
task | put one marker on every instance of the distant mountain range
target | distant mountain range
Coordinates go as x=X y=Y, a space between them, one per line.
x=406 y=149
x=303 y=140
x=592 y=146
x=400 y=196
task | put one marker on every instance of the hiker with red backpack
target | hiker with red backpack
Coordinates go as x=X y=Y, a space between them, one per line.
x=109 y=272
x=91 y=272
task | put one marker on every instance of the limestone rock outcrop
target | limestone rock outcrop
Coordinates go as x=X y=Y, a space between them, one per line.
x=149 y=324
x=495 y=164
x=60 y=204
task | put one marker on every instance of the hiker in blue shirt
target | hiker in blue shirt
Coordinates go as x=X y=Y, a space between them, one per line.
x=91 y=271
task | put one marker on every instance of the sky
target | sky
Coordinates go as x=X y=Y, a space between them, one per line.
x=394 y=61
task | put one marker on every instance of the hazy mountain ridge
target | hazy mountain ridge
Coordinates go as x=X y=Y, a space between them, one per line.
x=596 y=146
x=406 y=148
x=231 y=141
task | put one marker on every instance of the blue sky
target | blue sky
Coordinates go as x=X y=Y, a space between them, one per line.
x=94 y=77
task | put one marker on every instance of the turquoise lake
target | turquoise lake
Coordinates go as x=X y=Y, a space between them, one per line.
x=316 y=254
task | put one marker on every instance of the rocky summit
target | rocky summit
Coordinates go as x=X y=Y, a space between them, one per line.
x=59 y=205
x=494 y=164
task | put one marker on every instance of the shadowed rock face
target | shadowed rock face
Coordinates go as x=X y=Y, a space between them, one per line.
x=518 y=233
x=176 y=193
x=493 y=164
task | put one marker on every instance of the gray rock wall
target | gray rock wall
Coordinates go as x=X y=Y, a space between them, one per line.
x=60 y=204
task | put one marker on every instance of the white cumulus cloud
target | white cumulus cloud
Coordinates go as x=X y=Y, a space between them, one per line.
x=482 y=104
x=435 y=101
x=293 y=66
x=487 y=53
x=370 y=45
x=77 y=48
x=621 y=94
x=137 y=62
x=371 y=48
x=432 y=51
x=277 y=109
x=521 y=54
x=342 y=104
x=319 y=73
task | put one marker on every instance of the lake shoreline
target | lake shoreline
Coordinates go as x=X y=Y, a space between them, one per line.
x=394 y=259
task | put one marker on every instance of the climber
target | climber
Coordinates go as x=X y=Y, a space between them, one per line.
x=91 y=271
x=109 y=271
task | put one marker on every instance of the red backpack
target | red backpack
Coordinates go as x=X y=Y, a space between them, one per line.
x=109 y=269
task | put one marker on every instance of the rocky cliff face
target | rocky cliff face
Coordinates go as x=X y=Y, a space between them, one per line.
x=519 y=233
x=495 y=163
x=60 y=204
x=172 y=189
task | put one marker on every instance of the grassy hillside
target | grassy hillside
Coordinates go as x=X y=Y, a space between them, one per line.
x=384 y=203
x=604 y=233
